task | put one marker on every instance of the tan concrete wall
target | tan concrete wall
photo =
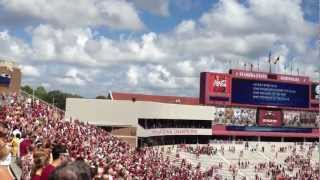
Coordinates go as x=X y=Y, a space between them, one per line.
x=126 y=113
x=127 y=131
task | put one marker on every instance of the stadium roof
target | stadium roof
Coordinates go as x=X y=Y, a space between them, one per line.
x=154 y=98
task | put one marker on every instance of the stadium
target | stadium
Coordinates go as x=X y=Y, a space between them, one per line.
x=243 y=125
x=254 y=106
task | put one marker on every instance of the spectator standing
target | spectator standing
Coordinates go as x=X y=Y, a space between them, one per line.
x=40 y=160
x=24 y=145
x=26 y=163
x=15 y=144
x=59 y=157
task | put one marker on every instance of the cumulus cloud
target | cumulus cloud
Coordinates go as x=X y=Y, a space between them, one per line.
x=77 y=77
x=187 y=26
x=157 y=7
x=12 y=48
x=66 y=45
x=133 y=76
x=154 y=76
x=28 y=70
x=229 y=35
x=73 y=13
x=233 y=19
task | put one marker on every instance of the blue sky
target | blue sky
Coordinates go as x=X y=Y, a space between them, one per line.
x=157 y=47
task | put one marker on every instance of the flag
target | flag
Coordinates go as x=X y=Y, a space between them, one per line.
x=276 y=60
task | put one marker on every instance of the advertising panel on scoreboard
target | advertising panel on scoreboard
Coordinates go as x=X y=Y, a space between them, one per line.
x=300 y=119
x=234 y=115
x=270 y=117
x=218 y=84
x=214 y=88
x=270 y=93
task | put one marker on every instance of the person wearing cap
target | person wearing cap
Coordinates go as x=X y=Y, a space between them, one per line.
x=59 y=157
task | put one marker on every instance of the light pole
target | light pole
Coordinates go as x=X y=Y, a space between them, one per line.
x=32 y=96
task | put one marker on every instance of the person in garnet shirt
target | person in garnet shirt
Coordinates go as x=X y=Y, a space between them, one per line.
x=24 y=145
x=59 y=157
x=40 y=159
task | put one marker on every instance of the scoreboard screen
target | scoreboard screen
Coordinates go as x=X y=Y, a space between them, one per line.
x=270 y=93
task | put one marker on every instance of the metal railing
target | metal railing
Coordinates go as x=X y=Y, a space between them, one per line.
x=42 y=101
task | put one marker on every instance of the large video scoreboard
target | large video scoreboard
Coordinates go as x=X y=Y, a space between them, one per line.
x=256 y=89
x=270 y=93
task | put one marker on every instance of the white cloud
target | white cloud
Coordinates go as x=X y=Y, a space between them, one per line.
x=148 y=49
x=50 y=44
x=157 y=7
x=108 y=51
x=133 y=76
x=185 y=27
x=80 y=46
x=160 y=77
x=28 y=70
x=74 y=13
x=77 y=77
x=228 y=35
x=46 y=85
x=153 y=76
x=233 y=19
x=12 y=48
x=186 y=68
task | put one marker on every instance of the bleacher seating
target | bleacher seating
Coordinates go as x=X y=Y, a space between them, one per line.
x=220 y=160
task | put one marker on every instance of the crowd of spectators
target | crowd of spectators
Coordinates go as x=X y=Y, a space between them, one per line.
x=47 y=146
x=295 y=165
x=44 y=141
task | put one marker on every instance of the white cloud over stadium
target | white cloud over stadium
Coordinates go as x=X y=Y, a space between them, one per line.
x=72 y=51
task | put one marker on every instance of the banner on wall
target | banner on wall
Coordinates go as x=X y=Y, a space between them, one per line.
x=300 y=119
x=269 y=117
x=238 y=116
x=174 y=132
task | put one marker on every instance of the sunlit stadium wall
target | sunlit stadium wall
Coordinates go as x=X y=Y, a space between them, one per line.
x=124 y=113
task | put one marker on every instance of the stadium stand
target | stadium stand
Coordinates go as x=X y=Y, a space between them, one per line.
x=43 y=126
